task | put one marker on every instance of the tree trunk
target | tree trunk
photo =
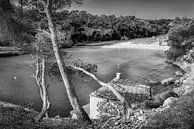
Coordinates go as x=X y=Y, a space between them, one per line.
x=43 y=93
x=82 y=115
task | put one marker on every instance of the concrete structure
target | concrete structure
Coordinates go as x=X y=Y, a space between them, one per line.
x=104 y=102
x=94 y=100
x=163 y=41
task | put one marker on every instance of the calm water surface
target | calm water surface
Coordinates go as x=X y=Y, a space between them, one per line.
x=134 y=64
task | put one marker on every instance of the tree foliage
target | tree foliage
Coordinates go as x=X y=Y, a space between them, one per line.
x=85 y=27
x=82 y=27
x=13 y=32
x=181 y=38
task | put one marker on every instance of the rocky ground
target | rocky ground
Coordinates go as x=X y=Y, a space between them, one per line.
x=17 y=117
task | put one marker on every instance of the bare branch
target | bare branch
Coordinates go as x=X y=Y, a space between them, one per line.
x=44 y=31
x=32 y=66
x=37 y=76
x=32 y=56
x=33 y=76
x=46 y=103
x=43 y=3
x=43 y=73
x=115 y=92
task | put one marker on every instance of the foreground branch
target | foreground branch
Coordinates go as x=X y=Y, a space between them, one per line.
x=126 y=104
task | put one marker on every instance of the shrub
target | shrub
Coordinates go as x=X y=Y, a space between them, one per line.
x=181 y=39
x=180 y=116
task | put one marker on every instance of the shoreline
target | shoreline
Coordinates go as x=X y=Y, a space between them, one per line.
x=10 y=51
x=8 y=54
x=156 y=113
x=129 y=44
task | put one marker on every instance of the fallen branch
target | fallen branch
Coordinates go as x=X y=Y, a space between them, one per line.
x=126 y=105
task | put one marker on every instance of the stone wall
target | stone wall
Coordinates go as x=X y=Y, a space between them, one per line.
x=103 y=103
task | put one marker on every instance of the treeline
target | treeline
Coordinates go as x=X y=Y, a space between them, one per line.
x=85 y=27
x=181 y=37
x=81 y=27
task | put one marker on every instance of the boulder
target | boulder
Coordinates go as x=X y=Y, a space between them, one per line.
x=178 y=73
x=168 y=81
x=182 y=79
x=159 y=99
x=169 y=102
x=177 y=82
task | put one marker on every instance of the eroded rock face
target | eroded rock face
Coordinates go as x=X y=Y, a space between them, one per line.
x=184 y=89
x=179 y=116
x=187 y=82
x=159 y=99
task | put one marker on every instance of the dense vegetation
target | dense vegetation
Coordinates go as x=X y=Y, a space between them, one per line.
x=81 y=27
x=11 y=30
x=181 y=37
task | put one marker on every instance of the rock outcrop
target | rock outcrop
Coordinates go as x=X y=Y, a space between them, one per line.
x=169 y=102
x=168 y=81
x=159 y=99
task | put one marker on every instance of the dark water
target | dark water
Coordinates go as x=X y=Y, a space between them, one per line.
x=136 y=65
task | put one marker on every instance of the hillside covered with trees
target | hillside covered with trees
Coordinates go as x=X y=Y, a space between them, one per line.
x=80 y=27
x=56 y=28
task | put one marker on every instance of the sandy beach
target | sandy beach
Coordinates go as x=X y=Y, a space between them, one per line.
x=129 y=44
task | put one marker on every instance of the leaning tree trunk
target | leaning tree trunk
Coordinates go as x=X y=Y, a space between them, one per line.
x=79 y=111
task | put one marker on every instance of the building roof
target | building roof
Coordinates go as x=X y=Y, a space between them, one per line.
x=125 y=87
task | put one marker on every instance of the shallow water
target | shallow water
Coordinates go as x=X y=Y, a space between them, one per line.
x=135 y=64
